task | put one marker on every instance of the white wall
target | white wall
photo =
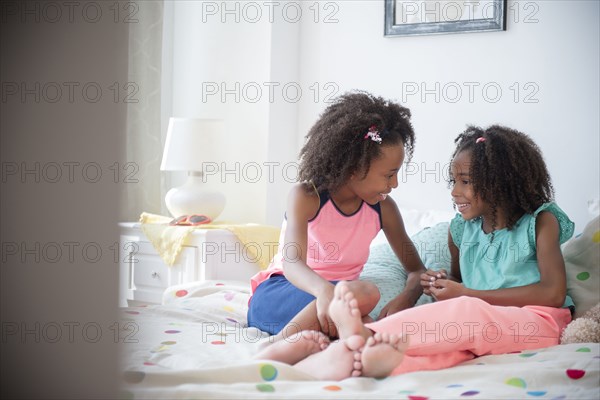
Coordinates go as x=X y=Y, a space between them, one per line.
x=556 y=56
x=553 y=60
x=216 y=69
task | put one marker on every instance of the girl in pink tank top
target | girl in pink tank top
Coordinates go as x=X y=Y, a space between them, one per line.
x=348 y=166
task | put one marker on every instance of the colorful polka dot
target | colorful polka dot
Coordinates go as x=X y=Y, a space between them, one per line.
x=229 y=296
x=181 y=293
x=470 y=393
x=561 y=397
x=264 y=387
x=133 y=376
x=418 y=397
x=575 y=373
x=228 y=308
x=527 y=355
x=232 y=320
x=517 y=382
x=333 y=388
x=583 y=276
x=219 y=284
x=148 y=363
x=169 y=342
x=536 y=393
x=584 y=350
x=454 y=385
x=217 y=342
x=172 y=331
x=268 y=372
x=596 y=237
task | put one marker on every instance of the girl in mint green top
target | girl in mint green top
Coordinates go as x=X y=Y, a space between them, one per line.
x=505 y=243
x=506 y=291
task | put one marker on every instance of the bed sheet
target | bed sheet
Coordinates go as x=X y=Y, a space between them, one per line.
x=196 y=345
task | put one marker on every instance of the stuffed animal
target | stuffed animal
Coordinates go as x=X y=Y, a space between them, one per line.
x=585 y=329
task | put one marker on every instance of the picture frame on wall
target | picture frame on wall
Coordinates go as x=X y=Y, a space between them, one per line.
x=431 y=17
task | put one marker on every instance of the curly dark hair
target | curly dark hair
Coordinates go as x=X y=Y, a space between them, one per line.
x=336 y=146
x=507 y=171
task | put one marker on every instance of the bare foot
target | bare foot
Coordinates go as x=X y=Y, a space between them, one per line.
x=339 y=361
x=345 y=313
x=382 y=353
x=295 y=348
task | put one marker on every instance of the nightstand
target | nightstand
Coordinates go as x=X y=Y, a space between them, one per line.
x=208 y=254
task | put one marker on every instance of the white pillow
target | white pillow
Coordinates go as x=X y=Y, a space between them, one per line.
x=417 y=220
x=582 y=262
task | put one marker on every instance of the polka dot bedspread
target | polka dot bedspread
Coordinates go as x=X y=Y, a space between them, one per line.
x=196 y=345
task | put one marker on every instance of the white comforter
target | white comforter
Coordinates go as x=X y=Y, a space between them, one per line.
x=195 y=346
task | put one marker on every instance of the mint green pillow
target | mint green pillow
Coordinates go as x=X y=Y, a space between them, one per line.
x=385 y=270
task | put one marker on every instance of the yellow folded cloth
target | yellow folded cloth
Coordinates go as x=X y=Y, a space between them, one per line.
x=259 y=241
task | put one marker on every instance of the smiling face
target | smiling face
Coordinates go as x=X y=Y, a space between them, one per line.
x=382 y=176
x=467 y=202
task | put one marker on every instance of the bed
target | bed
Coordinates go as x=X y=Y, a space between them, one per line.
x=196 y=344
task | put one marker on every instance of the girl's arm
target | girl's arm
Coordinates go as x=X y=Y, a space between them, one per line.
x=302 y=206
x=454 y=257
x=549 y=291
x=393 y=227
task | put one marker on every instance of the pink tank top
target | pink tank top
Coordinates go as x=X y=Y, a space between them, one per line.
x=338 y=244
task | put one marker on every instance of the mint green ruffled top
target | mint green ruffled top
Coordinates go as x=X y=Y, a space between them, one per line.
x=510 y=260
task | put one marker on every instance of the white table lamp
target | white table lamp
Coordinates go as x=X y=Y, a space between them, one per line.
x=191 y=144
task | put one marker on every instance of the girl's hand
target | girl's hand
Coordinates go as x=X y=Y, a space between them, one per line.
x=429 y=278
x=398 y=303
x=444 y=289
x=323 y=300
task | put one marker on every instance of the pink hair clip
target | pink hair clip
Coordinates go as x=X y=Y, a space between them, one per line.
x=480 y=139
x=373 y=133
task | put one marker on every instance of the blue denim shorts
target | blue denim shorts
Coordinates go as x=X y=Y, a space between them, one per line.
x=275 y=302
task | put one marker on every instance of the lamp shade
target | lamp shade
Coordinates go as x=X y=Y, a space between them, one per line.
x=193 y=142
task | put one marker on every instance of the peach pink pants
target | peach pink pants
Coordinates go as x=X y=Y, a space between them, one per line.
x=448 y=332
